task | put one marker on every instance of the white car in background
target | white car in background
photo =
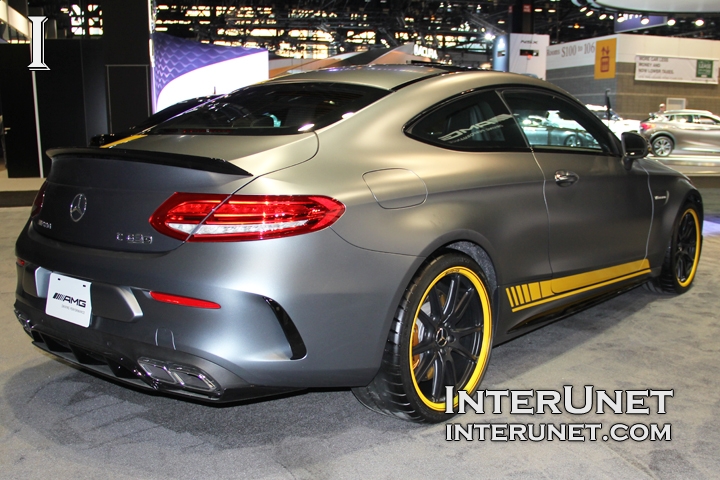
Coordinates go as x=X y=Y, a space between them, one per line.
x=617 y=124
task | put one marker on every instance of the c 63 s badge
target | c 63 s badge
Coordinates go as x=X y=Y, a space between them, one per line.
x=136 y=238
x=45 y=224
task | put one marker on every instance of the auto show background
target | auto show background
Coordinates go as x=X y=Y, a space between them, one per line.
x=107 y=84
x=574 y=66
x=93 y=86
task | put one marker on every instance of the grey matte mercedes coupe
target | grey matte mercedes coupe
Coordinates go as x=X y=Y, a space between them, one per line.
x=379 y=228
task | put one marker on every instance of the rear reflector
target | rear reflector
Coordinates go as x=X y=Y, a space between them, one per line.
x=184 y=301
x=219 y=218
x=38 y=202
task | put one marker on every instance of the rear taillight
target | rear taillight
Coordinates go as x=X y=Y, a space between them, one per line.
x=184 y=301
x=199 y=217
x=38 y=202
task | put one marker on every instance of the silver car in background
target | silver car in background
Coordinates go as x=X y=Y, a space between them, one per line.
x=682 y=131
x=617 y=124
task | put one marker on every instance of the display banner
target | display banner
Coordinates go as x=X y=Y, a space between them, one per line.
x=605 y=53
x=528 y=54
x=580 y=53
x=675 y=69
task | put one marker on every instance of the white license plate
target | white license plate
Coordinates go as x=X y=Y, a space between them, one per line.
x=69 y=299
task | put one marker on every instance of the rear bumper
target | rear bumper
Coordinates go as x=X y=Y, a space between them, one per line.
x=124 y=361
x=299 y=312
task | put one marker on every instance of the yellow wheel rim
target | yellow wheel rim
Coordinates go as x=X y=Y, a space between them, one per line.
x=450 y=336
x=688 y=248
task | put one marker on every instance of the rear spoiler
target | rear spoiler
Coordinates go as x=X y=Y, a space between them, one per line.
x=207 y=164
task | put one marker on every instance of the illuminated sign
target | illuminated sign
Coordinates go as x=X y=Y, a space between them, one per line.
x=421 y=51
x=38 y=43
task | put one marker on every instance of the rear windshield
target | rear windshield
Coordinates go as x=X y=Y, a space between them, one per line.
x=273 y=109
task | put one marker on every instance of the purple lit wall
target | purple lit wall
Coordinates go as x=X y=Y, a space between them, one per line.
x=185 y=69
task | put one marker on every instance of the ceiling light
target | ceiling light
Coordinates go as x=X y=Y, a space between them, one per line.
x=589 y=13
x=577 y=25
x=699 y=22
x=644 y=20
x=621 y=19
x=603 y=16
x=671 y=22
x=583 y=9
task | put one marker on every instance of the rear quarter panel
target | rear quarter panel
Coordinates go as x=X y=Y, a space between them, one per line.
x=494 y=199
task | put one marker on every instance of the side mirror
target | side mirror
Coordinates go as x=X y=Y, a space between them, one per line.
x=634 y=147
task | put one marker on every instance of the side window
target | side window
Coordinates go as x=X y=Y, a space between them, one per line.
x=703 y=120
x=474 y=121
x=682 y=118
x=548 y=120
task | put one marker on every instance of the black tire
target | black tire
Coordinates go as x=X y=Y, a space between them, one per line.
x=683 y=254
x=662 y=146
x=572 y=141
x=441 y=334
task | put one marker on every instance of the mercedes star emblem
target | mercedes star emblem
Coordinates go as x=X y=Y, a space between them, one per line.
x=78 y=207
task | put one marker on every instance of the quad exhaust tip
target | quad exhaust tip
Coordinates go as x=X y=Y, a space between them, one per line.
x=24 y=321
x=181 y=376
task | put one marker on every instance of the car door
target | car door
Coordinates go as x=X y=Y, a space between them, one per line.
x=703 y=134
x=482 y=177
x=599 y=211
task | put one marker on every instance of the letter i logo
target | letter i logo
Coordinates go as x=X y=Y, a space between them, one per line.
x=38 y=43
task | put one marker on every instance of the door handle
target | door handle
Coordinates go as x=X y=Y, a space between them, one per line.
x=565 y=178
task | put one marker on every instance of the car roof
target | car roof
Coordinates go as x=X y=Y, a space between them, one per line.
x=381 y=76
x=590 y=106
x=393 y=77
x=688 y=112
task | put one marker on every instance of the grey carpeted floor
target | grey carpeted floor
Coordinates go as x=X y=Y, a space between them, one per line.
x=58 y=422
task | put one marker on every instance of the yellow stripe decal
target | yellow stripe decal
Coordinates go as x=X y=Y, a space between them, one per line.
x=546 y=288
x=521 y=294
x=526 y=293
x=532 y=294
x=535 y=291
x=521 y=297
x=566 y=284
x=123 y=140
x=514 y=293
x=512 y=302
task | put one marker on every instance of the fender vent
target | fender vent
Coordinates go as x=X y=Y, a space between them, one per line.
x=297 y=346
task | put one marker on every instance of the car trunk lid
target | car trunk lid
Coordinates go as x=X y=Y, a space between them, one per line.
x=104 y=198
